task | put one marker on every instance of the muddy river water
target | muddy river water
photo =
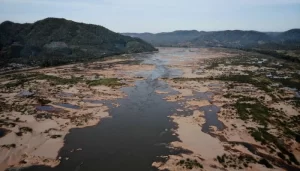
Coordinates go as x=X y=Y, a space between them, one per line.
x=137 y=132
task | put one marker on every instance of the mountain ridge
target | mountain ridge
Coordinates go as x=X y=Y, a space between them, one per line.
x=225 y=38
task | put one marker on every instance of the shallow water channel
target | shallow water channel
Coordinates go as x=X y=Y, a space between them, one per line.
x=138 y=131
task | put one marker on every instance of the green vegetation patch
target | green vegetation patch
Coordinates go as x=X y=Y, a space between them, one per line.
x=20 y=76
x=58 y=80
x=262 y=135
x=188 y=79
x=235 y=161
x=214 y=65
x=9 y=146
x=25 y=129
x=258 y=81
x=43 y=101
x=290 y=127
x=251 y=108
x=55 y=136
x=110 y=82
x=277 y=54
x=265 y=162
x=290 y=82
x=190 y=164
x=296 y=102
x=19 y=79
x=16 y=83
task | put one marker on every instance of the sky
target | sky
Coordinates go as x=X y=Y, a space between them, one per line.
x=161 y=15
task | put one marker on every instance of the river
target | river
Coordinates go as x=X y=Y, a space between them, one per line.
x=138 y=131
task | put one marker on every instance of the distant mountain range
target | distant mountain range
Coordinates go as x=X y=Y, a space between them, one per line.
x=227 y=38
x=54 y=41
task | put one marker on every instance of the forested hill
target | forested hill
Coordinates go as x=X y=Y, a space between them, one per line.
x=227 y=38
x=54 y=41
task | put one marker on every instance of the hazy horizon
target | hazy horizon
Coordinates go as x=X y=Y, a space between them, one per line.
x=155 y=16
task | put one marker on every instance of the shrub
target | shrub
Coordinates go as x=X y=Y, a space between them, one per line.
x=110 y=82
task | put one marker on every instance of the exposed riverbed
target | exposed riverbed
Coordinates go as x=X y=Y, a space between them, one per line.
x=166 y=111
x=138 y=131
